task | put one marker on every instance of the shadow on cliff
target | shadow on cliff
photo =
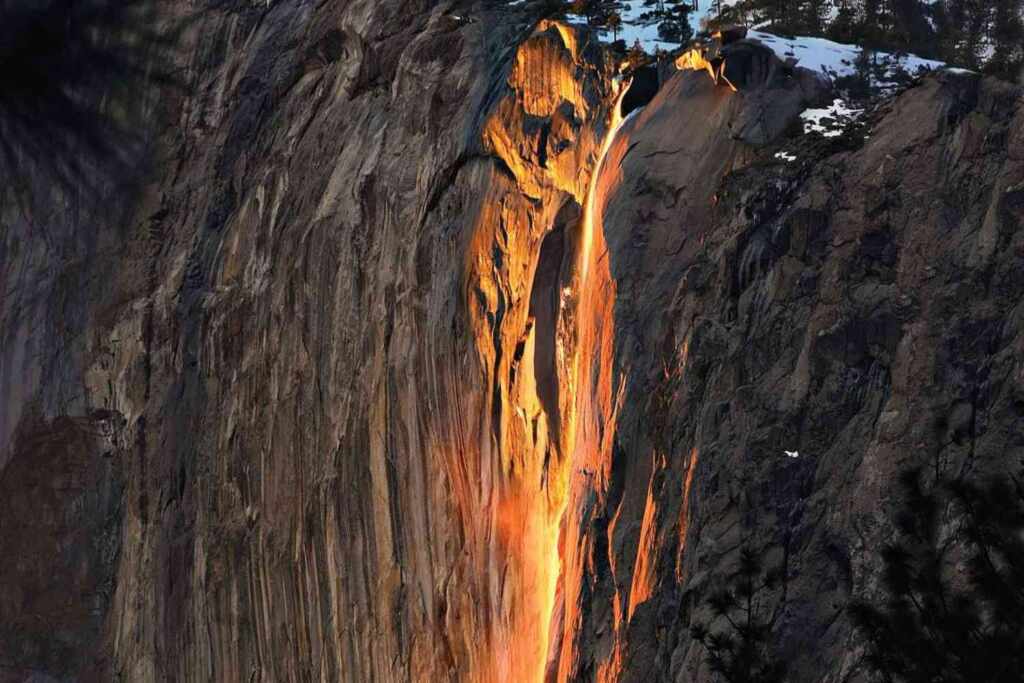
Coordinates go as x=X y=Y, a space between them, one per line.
x=81 y=81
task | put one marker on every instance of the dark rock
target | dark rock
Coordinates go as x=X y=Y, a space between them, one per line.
x=749 y=64
x=61 y=515
x=843 y=324
x=730 y=34
x=642 y=89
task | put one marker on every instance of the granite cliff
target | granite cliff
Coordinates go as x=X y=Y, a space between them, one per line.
x=414 y=360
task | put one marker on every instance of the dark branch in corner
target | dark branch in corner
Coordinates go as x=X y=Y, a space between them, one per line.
x=75 y=78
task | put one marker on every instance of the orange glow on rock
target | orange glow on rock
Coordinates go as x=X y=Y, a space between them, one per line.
x=684 y=514
x=590 y=416
x=512 y=498
x=643 y=571
x=541 y=450
x=695 y=59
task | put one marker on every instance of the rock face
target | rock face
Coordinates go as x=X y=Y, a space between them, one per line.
x=859 y=307
x=372 y=383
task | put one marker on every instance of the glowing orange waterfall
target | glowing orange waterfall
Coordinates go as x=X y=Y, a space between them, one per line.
x=527 y=309
x=588 y=321
x=590 y=217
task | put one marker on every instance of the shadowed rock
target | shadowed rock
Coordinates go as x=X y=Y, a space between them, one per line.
x=642 y=90
x=764 y=309
x=773 y=93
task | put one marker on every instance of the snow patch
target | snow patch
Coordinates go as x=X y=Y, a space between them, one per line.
x=830 y=121
x=792 y=454
x=635 y=29
x=837 y=60
x=830 y=59
x=785 y=156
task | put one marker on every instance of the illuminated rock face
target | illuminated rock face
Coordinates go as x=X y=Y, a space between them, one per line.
x=391 y=388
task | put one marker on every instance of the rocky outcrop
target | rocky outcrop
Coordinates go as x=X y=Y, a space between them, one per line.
x=859 y=307
x=373 y=383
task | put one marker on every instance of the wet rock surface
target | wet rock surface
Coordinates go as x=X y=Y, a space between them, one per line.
x=311 y=410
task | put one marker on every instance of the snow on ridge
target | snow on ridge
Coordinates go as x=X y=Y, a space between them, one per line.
x=830 y=59
x=634 y=28
x=818 y=54
x=837 y=60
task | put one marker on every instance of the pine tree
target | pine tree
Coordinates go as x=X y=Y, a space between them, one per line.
x=636 y=55
x=741 y=13
x=741 y=653
x=842 y=28
x=931 y=626
x=1007 y=39
x=675 y=23
x=963 y=30
x=874 y=25
x=585 y=8
x=553 y=8
x=808 y=17
x=614 y=24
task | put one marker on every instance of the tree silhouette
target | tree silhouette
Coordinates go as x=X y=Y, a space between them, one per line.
x=741 y=653
x=614 y=24
x=674 y=26
x=1007 y=37
x=585 y=8
x=74 y=77
x=953 y=582
x=977 y=34
x=553 y=8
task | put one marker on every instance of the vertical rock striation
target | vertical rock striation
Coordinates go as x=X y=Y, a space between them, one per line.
x=327 y=339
